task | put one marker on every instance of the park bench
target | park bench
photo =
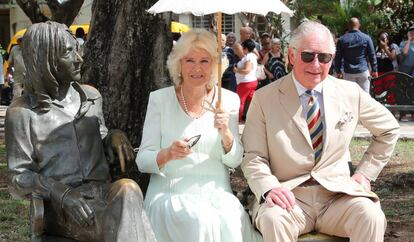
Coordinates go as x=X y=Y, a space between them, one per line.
x=400 y=86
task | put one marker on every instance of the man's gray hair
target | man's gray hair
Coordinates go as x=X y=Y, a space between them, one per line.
x=310 y=27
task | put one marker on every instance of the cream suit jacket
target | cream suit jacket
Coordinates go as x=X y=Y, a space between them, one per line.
x=278 y=149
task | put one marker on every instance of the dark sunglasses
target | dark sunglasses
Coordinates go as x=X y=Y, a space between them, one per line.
x=308 y=57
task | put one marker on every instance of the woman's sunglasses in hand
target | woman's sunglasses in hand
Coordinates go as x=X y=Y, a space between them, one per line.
x=208 y=106
x=193 y=141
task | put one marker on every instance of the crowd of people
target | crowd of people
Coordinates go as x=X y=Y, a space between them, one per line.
x=246 y=59
x=294 y=151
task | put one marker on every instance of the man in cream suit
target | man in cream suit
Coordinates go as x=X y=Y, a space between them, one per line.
x=296 y=140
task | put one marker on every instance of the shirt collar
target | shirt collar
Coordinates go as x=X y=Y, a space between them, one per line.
x=301 y=89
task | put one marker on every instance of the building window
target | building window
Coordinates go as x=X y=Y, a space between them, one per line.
x=206 y=22
x=260 y=24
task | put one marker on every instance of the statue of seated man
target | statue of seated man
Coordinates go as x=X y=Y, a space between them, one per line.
x=58 y=147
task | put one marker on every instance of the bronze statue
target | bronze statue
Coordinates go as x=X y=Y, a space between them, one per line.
x=59 y=149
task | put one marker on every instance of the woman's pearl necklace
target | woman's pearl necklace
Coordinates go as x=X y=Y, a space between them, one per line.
x=185 y=104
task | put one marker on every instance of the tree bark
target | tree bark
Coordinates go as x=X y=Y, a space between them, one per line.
x=125 y=57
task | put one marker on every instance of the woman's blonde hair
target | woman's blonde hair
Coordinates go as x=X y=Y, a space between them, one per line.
x=193 y=39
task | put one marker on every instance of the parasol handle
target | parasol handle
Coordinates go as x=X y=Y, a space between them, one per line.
x=219 y=17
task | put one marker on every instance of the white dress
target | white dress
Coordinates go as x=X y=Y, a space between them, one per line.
x=191 y=199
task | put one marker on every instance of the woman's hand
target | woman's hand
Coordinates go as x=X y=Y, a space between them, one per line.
x=221 y=122
x=177 y=150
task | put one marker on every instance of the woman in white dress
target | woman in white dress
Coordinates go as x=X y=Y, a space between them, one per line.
x=189 y=196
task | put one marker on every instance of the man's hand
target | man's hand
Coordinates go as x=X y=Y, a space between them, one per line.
x=75 y=206
x=122 y=147
x=282 y=197
x=361 y=179
x=374 y=74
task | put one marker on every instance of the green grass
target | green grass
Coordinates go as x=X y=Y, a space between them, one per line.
x=14 y=214
x=395 y=185
x=404 y=149
x=14 y=218
x=398 y=205
x=2 y=150
x=3 y=168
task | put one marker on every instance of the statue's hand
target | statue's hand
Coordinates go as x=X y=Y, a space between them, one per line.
x=122 y=147
x=76 y=208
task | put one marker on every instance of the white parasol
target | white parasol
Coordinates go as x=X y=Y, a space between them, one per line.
x=204 y=7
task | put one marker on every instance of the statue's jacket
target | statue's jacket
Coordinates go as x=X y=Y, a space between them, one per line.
x=56 y=144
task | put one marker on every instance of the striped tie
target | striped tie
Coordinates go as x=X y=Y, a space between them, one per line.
x=315 y=126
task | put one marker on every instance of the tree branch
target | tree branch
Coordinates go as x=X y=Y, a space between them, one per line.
x=64 y=11
x=32 y=10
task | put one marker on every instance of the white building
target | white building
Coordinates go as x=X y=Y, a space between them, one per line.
x=230 y=23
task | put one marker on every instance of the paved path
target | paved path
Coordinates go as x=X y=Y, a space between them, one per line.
x=407 y=127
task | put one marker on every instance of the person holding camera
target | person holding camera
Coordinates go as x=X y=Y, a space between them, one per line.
x=386 y=53
x=407 y=52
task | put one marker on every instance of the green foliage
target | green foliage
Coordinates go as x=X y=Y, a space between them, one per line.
x=375 y=15
x=278 y=31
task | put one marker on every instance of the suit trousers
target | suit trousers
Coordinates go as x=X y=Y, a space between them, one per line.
x=316 y=208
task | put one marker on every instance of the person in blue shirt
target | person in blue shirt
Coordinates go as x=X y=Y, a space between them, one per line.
x=353 y=50
x=407 y=52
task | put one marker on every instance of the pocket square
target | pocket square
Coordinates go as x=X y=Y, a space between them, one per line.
x=346 y=118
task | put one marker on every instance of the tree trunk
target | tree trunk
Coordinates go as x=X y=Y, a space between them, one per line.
x=124 y=57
